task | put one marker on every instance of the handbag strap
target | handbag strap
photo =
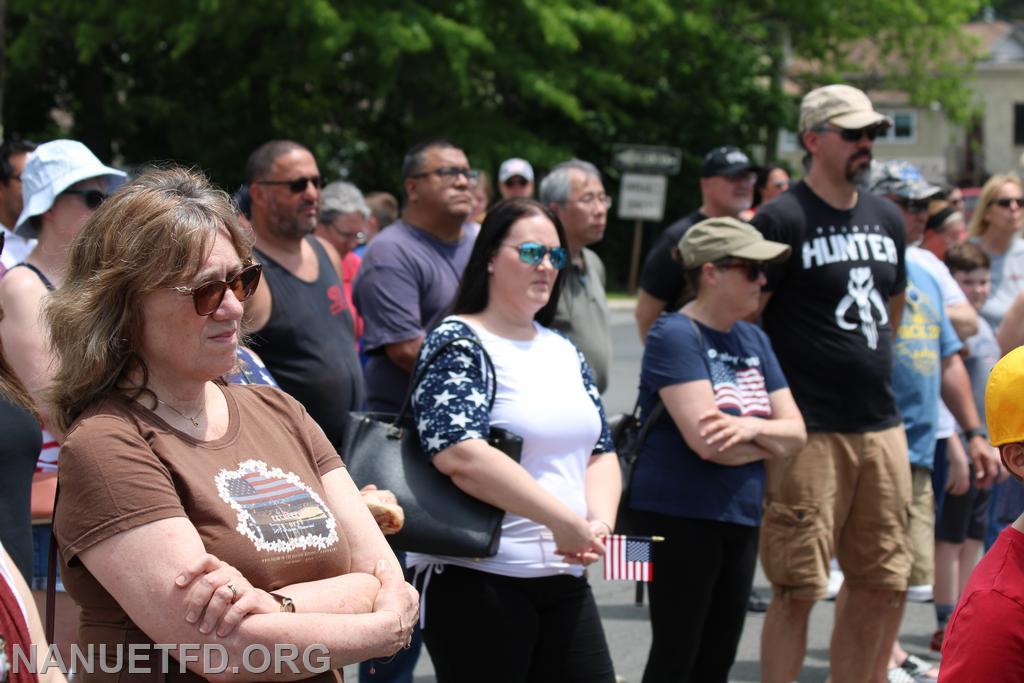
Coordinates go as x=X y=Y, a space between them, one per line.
x=659 y=405
x=51 y=574
x=429 y=361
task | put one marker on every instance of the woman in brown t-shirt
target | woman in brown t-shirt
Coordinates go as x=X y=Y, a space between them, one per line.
x=215 y=520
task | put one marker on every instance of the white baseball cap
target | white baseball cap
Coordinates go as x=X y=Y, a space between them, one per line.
x=515 y=167
x=52 y=168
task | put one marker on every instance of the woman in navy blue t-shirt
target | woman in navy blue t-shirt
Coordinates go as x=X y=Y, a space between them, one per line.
x=699 y=478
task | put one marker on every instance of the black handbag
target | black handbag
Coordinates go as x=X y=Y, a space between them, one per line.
x=440 y=518
x=628 y=434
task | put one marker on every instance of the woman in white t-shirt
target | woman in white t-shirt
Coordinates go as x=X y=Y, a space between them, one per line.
x=995 y=227
x=527 y=613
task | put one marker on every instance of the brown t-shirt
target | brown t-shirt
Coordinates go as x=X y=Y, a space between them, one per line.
x=254 y=496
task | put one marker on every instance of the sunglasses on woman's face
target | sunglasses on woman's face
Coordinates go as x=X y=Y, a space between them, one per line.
x=208 y=296
x=1007 y=202
x=3 y=238
x=753 y=269
x=92 y=198
x=532 y=253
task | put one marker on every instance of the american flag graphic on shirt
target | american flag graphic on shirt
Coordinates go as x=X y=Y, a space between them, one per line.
x=275 y=509
x=740 y=389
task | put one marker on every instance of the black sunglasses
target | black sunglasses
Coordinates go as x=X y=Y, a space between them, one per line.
x=296 y=186
x=913 y=205
x=3 y=238
x=208 y=296
x=1007 y=202
x=855 y=134
x=754 y=269
x=92 y=198
x=449 y=174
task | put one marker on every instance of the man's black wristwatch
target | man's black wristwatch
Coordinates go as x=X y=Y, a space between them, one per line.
x=975 y=431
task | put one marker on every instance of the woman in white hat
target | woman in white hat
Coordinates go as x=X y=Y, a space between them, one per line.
x=699 y=477
x=63 y=183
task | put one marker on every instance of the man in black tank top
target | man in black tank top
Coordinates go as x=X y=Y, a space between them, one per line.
x=300 y=322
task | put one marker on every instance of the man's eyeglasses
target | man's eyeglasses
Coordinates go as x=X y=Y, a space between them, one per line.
x=532 y=253
x=589 y=198
x=1007 y=202
x=449 y=174
x=296 y=186
x=208 y=296
x=855 y=134
x=781 y=184
x=92 y=198
x=913 y=205
x=753 y=269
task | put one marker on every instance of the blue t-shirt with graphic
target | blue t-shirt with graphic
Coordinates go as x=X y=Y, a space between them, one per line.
x=924 y=338
x=670 y=478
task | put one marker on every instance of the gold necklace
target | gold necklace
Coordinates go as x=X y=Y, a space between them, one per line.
x=193 y=420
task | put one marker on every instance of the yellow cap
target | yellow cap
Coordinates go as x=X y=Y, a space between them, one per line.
x=1004 y=399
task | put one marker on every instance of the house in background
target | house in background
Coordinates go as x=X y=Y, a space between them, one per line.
x=946 y=152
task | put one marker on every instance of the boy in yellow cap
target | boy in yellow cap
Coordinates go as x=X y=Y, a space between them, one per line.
x=985 y=638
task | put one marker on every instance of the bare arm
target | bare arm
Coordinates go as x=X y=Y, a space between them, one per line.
x=258 y=307
x=603 y=488
x=648 y=308
x=896 y=302
x=147 y=591
x=24 y=337
x=488 y=474
x=686 y=402
x=964 y=319
x=781 y=435
x=1010 y=334
x=404 y=354
x=956 y=393
x=352 y=593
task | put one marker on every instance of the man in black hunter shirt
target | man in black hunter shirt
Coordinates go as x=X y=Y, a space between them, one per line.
x=727 y=179
x=830 y=312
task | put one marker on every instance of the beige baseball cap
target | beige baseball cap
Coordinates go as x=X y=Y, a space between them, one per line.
x=841 y=105
x=717 y=238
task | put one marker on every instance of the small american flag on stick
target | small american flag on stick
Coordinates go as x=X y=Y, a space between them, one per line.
x=628 y=558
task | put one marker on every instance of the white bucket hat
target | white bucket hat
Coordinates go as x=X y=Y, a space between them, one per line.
x=52 y=168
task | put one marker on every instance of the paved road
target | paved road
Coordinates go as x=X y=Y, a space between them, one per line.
x=626 y=625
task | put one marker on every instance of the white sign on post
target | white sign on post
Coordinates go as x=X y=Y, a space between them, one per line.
x=642 y=197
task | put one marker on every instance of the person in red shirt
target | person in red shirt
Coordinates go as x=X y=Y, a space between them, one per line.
x=985 y=638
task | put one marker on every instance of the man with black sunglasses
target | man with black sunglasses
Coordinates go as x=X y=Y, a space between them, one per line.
x=830 y=311
x=727 y=177
x=302 y=325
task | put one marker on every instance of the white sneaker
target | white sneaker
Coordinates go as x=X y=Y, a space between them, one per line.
x=898 y=675
x=835 y=580
x=922 y=593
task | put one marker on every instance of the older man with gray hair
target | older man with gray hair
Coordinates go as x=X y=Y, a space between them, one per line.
x=344 y=224
x=574 y=191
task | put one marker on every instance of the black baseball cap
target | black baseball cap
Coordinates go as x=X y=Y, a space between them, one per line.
x=725 y=160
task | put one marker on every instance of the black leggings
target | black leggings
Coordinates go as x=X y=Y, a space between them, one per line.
x=703 y=574
x=485 y=627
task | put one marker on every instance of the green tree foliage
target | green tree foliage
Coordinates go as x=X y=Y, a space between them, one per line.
x=205 y=81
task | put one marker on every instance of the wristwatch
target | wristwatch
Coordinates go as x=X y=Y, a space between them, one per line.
x=287 y=604
x=973 y=432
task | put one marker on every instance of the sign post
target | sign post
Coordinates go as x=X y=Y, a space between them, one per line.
x=642 y=191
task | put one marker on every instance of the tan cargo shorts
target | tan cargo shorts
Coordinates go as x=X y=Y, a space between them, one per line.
x=846 y=495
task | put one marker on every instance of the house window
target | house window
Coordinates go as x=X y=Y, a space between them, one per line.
x=1018 y=125
x=904 y=128
x=788 y=142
